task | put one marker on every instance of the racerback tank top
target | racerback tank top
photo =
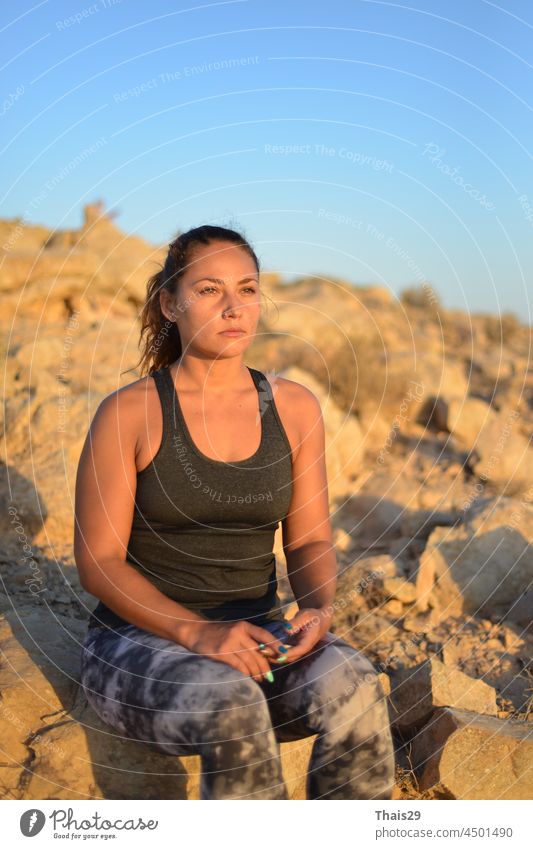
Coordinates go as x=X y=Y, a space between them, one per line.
x=203 y=529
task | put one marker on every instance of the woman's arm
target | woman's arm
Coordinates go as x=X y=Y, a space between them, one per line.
x=105 y=494
x=307 y=532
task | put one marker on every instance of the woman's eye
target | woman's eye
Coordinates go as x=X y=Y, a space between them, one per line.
x=213 y=289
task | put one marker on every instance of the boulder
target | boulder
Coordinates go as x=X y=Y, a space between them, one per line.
x=344 y=437
x=370 y=519
x=418 y=690
x=483 y=565
x=401 y=589
x=500 y=452
x=473 y=756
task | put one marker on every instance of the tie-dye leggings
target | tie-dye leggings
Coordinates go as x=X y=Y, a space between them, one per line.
x=159 y=693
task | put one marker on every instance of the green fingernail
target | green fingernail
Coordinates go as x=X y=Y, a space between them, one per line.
x=261 y=645
x=281 y=659
x=288 y=625
x=269 y=676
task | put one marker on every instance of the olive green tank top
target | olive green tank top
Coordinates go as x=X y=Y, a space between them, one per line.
x=203 y=529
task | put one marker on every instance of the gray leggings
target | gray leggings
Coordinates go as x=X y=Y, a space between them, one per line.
x=179 y=702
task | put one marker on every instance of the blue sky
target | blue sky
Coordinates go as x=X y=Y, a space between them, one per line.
x=379 y=142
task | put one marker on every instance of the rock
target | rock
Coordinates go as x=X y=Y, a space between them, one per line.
x=512 y=640
x=418 y=690
x=424 y=378
x=376 y=430
x=434 y=413
x=344 y=437
x=421 y=622
x=420 y=523
x=22 y=510
x=466 y=417
x=343 y=541
x=379 y=565
x=495 y=368
x=375 y=295
x=386 y=565
x=502 y=453
x=370 y=519
x=474 y=757
x=403 y=552
x=483 y=565
x=363 y=630
x=490 y=661
x=509 y=467
x=392 y=607
x=522 y=610
x=401 y=589
x=385 y=682
x=356 y=580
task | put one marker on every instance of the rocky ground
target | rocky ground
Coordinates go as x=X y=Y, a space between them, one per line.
x=429 y=416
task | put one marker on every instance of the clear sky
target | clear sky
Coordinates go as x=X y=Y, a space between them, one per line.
x=379 y=142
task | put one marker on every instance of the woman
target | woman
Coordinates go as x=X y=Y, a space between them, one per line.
x=180 y=488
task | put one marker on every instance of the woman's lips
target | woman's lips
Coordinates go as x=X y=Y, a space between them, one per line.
x=232 y=332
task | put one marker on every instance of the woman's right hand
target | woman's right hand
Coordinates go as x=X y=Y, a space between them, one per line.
x=235 y=643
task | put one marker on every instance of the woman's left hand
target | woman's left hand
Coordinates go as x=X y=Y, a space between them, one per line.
x=308 y=627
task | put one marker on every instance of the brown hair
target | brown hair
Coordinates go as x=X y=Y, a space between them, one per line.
x=160 y=340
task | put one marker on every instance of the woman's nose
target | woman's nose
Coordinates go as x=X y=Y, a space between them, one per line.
x=231 y=305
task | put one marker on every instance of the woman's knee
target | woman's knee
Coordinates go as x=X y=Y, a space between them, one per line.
x=194 y=700
x=205 y=701
x=359 y=675
x=343 y=680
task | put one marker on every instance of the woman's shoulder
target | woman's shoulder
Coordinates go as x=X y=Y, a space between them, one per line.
x=296 y=395
x=129 y=399
x=298 y=407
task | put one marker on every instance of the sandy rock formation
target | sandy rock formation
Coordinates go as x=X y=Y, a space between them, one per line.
x=483 y=565
x=475 y=757
x=416 y=692
x=344 y=438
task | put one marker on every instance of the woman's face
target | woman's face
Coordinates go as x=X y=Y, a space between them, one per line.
x=204 y=308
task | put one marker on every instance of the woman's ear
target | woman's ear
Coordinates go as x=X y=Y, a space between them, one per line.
x=167 y=308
